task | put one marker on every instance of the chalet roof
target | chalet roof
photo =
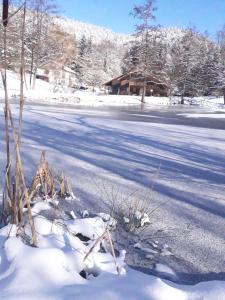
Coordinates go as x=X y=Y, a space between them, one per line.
x=153 y=79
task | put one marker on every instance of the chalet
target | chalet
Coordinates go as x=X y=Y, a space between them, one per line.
x=132 y=83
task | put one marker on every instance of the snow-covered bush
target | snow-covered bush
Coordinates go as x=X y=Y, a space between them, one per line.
x=132 y=212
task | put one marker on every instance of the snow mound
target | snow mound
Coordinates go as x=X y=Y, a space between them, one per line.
x=66 y=267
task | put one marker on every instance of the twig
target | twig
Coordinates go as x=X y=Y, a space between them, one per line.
x=99 y=239
x=113 y=252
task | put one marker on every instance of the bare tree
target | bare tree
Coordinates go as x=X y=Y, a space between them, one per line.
x=39 y=45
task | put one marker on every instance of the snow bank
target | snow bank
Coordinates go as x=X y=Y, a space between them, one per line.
x=43 y=93
x=98 y=99
x=205 y=115
x=54 y=269
x=213 y=103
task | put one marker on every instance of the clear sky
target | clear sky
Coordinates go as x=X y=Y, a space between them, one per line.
x=114 y=14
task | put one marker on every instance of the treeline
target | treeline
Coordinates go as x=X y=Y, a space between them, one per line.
x=48 y=46
x=94 y=64
x=191 y=64
x=45 y=44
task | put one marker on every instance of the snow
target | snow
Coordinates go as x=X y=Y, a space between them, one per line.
x=52 y=271
x=209 y=102
x=91 y=227
x=126 y=220
x=138 y=215
x=47 y=93
x=96 y=33
x=126 y=148
x=160 y=268
x=145 y=220
x=100 y=34
x=98 y=148
x=99 y=99
x=147 y=250
x=205 y=115
x=72 y=214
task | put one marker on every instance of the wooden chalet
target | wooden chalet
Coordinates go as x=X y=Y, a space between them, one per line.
x=132 y=83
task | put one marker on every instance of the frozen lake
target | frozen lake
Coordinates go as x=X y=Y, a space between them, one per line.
x=174 y=155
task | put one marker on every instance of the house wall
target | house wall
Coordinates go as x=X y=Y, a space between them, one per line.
x=137 y=90
x=132 y=84
x=62 y=77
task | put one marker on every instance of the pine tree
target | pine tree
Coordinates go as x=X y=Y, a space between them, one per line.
x=82 y=60
x=185 y=57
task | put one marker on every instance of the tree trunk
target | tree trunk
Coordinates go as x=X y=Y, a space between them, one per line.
x=31 y=67
x=182 y=99
x=34 y=78
x=25 y=80
x=144 y=91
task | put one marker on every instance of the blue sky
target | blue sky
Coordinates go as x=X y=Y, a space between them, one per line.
x=204 y=14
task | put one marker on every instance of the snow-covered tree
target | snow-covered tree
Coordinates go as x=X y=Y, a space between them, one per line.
x=196 y=67
x=184 y=60
x=144 y=13
x=221 y=44
x=82 y=60
x=40 y=46
x=13 y=32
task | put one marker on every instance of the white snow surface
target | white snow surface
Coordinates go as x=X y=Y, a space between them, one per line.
x=205 y=115
x=99 y=34
x=96 y=33
x=51 y=94
x=94 y=151
x=51 y=271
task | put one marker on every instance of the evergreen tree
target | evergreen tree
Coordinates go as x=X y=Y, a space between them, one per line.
x=82 y=61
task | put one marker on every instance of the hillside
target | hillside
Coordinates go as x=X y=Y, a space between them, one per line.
x=98 y=34
x=105 y=58
x=94 y=32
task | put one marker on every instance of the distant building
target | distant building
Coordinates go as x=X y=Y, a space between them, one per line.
x=64 y=76
x=42 y=74
x=132 y=83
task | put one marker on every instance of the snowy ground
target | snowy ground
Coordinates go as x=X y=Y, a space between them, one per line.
x=167 y=155
x=56 y=269
x=50 y=93
x=161 y=154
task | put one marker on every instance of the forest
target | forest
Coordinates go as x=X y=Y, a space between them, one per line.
x=191 y=63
